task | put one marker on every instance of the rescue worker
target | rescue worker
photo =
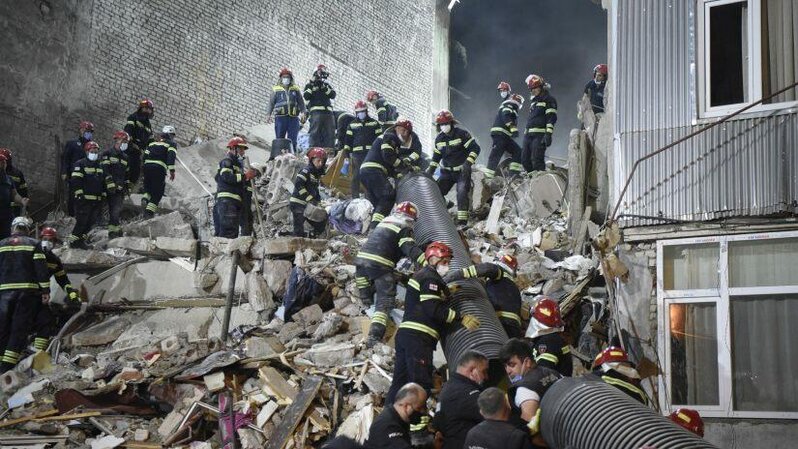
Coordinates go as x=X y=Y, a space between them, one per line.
x=503 y=134
x=387 y=113
x=545 y=330
x=91 y=184
x=427 y=314
x=115 y=162
x=8 y=194
x=539 y=125
x=45 y=324
x=306 y=190
x=455 y=152
x=360 y=134
x=689 y=419
x=380 y=165
x=409 y=145
x=495 y=432
x=391 y=240
x=159 y=159
x=140 y=131
x=457 y=411
x=502 y=292
x=504 y=90
x=24 y=288
x=231 y=181
x=529 y=383
x=341 y=125
x=319 y=95
x=594 y=90
x=18 y=178
x=73 y=152
x=287 y=106
x=612 y=365
x=391 y=429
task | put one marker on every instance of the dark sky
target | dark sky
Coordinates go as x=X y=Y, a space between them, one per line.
x=561 y=40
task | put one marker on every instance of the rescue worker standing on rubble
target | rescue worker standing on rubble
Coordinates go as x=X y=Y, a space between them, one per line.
x=391 y=429
x=24 y=287
x=45 y=324
x=500 y=286
x=495 y=432
x=594 y=90
x=545 y=330
x=306 y=191
x=409 y=144
x=360 y=135
x=115 y=162
x=8 y=194
x=380 y=165
x=612 y=365
x=231 y=182
x=287 y=106
x=386 y=112
x=18 y=178
x=319 y=95
x=90 y=184
x=376 y=261
x=539 y=126
x=427 y=314
x=140 y=131
x=457 y=411
x=529 y=383
x=341 y=125
x=73 y=152
x=159 y=159
x=503 y=134
x=455 y=152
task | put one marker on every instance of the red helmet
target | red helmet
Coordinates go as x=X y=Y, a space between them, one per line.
x=146 y=103
x=689 y=419
x=49 y=233
x=321 y=68
x=601 y=68
x=89 y=145
x=121 y=135
x=439 y=250
x=508 y=262
x=361 y=106
x=6 y=152
x=237 y=142
x=3 y=157
x=317 y=152
x=612 y=354
x=405 y=123
x=285 y=71
x=372 y=95
x=86 y=125
x=443 y=117
x=518 y=99
x=406 y=208
x=547 y=312
x=534 y=81
x=504 y=85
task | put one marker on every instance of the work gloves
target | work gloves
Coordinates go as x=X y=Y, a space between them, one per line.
x=250 y=174
x=470 y=322
x=547 y=139
x=72 y=295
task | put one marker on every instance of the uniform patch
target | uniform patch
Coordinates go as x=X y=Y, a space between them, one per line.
x=542 y=349
x=433 y=287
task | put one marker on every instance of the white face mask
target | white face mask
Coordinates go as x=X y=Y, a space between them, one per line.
x=504 y=94
x=123 y=146
x=46 y=244
x=361 y=115
x=286 y=81
x=446 y=128
x=92 y=156
x=442 y=269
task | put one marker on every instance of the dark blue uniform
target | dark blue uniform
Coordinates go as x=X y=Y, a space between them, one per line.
x=358 y=138
x=306 y=190
x=455 y=153
x=539 y=130
x=503 y=134
x=230 y=190
x=46 y=324
x=90 y=184
x=286 y=103
x=412 y=155
x=539 y=380
x=21 y=186
x=389 y=431
x=629 y=386
x=381 y=163
x=553 y=352
x=595 y=91
x=502 y=292
x=490 y=434
x=6 y=197
x=318 y=95
x=458 y=411
x=116 y=165
x=140 y=131
x=159 y=157
x=73 y=152
x=386 y=113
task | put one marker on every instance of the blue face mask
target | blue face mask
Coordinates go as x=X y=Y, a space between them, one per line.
x=88 y=135
x=516 y=379
x=361 y=115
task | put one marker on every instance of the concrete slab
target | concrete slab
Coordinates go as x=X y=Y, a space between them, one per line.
x=147 y=281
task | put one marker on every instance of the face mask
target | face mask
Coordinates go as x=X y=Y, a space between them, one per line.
x=442 y=269
x=46 y=244
x=361 y=115
x=88 y=135
x=92 y=156
x=517 y=378
x=504 y=94
x=123 y=146
x=446 y=128
x=286 y=81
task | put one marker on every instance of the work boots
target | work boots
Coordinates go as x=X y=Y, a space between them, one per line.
x=376 y=334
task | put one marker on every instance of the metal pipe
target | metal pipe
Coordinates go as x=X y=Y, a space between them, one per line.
x=231 y=290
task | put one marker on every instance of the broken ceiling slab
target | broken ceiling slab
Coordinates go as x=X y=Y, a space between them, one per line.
x=168 y=225
x=287 y=246
x=148 y=281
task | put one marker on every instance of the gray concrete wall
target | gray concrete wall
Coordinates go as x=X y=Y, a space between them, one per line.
x=208 y=65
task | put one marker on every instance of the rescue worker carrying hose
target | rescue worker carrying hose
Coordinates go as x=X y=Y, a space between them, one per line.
x=380 y=165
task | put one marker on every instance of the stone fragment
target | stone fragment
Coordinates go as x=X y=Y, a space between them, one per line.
x=276 y=273
x=259 y=295
x=102 y=333
x=309 y=315
x=330 y=354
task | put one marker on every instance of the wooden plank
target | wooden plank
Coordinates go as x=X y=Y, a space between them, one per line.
x=295 y=412
x=28 y=418
x=69 y=417
x=492 y=223
x=275 y=384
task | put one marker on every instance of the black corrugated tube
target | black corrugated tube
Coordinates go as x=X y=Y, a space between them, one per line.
x=435 y=224
x=581 y=414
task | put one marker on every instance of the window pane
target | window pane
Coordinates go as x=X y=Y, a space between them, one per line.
x=691 y=266
x=728 y=53
x=761 y=263
x=765 y=353
x=694 y=354
x=779 y=62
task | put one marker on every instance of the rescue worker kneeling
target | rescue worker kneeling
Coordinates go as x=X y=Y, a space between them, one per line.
x=231 y=182
x=612 y=365
x=306 y=191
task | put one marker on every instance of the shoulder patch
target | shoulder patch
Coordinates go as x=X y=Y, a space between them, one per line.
x=541 y=349
x=433 y=286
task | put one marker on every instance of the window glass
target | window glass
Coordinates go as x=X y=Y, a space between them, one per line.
x=763 y=263
x=727 y=47
x=691 y=266
x=694 y=354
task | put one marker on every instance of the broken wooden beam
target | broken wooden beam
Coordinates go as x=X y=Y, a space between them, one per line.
x=294 y=414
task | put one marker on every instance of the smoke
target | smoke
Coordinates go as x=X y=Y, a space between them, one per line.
x=505 y=40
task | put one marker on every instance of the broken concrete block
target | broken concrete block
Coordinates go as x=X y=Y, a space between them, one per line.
x=161 y=324
x=479 y=192
x=106 y=442
x=170 y=423
x=222 y=269
x=154 y=279
x=329 y=326
x=25 y=395
x=222 y=245
x=170 y=345
x=176 y=247
x=309 y=315
x=82 y=259
x=259 y=295
x=102 y=333
x=289 y=331
x=10 y=381
x=83 y=360
x=168 y=225
x=214 y=382
x=331 y=354
x=263 y=347
x=539 y=194
x=141 y=435
x=138 y=245
x=286 y=246
x=249 y=439
x=276 y=273
x=377 y=383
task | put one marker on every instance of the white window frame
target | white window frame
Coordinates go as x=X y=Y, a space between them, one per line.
x=721 y=297
x=754 y=62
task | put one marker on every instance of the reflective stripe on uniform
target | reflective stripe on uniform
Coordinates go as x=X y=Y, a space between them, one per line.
x=547 y=356
x=376 y=258
x=153 y=161
x=421 y=328
x=509 y=316
x=374 y=165
x=228 y=195
x=381 y=318
x=625 y=385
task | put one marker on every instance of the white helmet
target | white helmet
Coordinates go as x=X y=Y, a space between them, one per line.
x=168 y=129
x=21 y=222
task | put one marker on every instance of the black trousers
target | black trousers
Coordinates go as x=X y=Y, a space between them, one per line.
x=298 y=212
x=504 y=144
x=227 y=217
x=322 y=129
x=133 y=164
x=5 y=222
x=448 y=180
x=413 y=361
x=18 y=309
x=355 y=161
x=114 y=212
x=379 y=192
x=246 y=215
x=154 y=185
x=534 y=153
x=87 y=212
